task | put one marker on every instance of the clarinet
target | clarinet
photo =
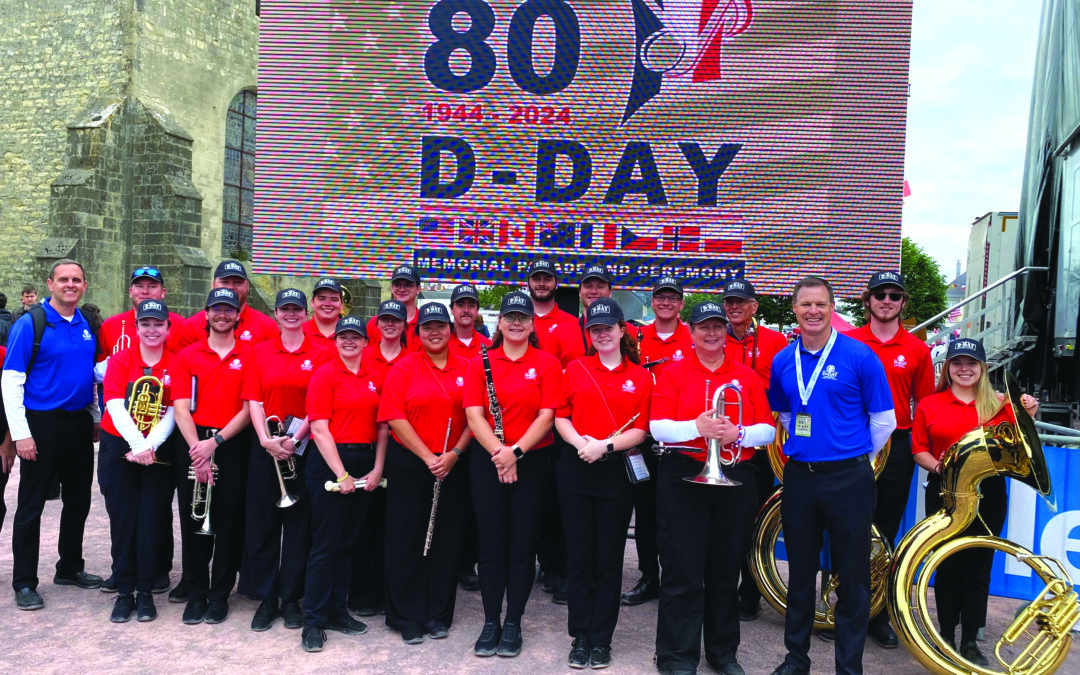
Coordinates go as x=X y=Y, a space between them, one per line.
x=493 y=400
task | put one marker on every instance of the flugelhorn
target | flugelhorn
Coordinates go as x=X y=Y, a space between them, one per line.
x=361 y=483
x=143 y=404
x=289 y=472
x=201 y=494
x=717 y=455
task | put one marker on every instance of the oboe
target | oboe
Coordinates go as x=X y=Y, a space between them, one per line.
x=435 y=493
x=493 y=400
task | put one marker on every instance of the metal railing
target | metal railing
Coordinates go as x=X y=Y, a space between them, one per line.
x=1000 y=282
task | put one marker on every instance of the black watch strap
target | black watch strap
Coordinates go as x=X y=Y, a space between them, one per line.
x=218 y=439
x=518 y=452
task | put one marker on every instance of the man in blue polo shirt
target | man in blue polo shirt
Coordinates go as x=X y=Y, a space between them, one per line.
x=47 y=405
x=832 y=396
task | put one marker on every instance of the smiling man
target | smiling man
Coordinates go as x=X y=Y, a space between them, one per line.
x=118 y=331
x=465 y=307
x=252 y=326
x=405 y=289
x=327 y=303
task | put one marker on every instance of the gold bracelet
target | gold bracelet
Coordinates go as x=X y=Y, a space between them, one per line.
x=342 y=479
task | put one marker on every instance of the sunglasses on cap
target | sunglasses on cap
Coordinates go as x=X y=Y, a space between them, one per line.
x=151 y=272
x=894 y=296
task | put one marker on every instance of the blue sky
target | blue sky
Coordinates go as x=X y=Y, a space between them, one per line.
x=971 y=71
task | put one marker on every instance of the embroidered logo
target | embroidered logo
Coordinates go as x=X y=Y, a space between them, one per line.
x=166 y=380
x=371 y=387
x=677 y=356
x=530 y=374
x=235 y=365
x=900 y=362
x=306 y=365
x=150 y=304
x=552 y=328
x=86 y=335
x=628 y=387
x=460 y=381
x=246 y=335
x=829 y=373
x=738 y=385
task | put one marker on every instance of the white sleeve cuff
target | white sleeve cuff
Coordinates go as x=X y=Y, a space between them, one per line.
x=125 y=425
x=758 y=435
x=12 y=384
x=99 y=370
x=784 y=419
x=882 y=424
x=161 y=431
x=672 y=431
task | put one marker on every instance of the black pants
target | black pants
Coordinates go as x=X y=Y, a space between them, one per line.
x=367 y=583
x=421 y=590
x=211 y=563
x=843 y=501
x=894 y=486
x=507 y=515
x=550 y=541
x=277 y=540
x=702 y=535
x=138 y=499
x=595 y=528
x=4 y=475
x=749 y=593
x=645 y=516
x=962 y=582
x=65 y=449
x=336 y=523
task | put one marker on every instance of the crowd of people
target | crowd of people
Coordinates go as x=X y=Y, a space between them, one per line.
x=335 y=467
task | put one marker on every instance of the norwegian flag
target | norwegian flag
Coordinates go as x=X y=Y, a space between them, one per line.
x=476 y=232
x=682 y=238
x=517 y=233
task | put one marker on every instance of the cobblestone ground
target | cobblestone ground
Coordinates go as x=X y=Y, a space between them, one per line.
x=73 y=633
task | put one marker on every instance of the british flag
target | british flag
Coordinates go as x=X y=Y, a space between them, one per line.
x=476 y=232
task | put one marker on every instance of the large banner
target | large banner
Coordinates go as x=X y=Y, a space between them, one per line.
x=703 y=139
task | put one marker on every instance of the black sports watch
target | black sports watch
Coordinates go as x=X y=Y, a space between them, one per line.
x=518 y=452
x=218 y=439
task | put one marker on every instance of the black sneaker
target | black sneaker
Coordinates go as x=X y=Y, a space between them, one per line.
x=412 y=635
x=109 y=585
x=80 y=579
x=551 y=581
x=827 y=635
x=161 y=585
x=579 y=654
x=561 y=596
x=195 y=612
x=28 y=598
x=313 y=639
x=468 y=580
x=217 y=610
x=600 y=656
x=347 y=625
x=144 y=602
x=291 y=613
x=366 y=610
x=647 y=589
x=264 y=616
x=970 y=651
x=437 y=631
x=488 y=642
x=510 y=642
x=122 y=608
x=748 y=611
x=179 y=594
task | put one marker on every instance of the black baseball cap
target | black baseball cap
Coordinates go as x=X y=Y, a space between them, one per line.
x=739 y=288
x=707 y=310
x=406 y=272
x=392 y=308
x=967 y=347
x=603 y=311
x=596 y=272
x=668 y=283
x=230 y=268
x=464 y=291
x=152 y=309
x=326 y=283
x=147 y=272
x=223 y=296
x=290 y=296
x=516 y=301
x=347 y=323
x=541 y=265
x=433 y=311
x=885 y=279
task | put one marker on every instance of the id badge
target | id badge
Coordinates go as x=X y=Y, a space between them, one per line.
x=802 y=425
x=635 y=466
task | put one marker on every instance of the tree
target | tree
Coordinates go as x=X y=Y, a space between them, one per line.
x=772 y=309
x=491 y=297
x=691 y=299
x=923 y=282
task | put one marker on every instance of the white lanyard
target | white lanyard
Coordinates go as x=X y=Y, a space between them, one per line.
x=805 y=391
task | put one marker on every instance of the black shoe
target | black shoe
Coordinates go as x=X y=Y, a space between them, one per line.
x=366 y=610
x=437 y=631
x=412 y=635
x=468 y=580
x=144 y=602
x=195 y=612
x=122 y=608
x=600 y=657
x=510 y=642
x=109 y=585
x=970 y=651
x=80 y=579
x=551 y=581
x=579 y=654
x=313 y=639
x=786 y=668
x=179 y=594
x=561 y=596
x=216 y=611
x=292 y=614
x=28 y=598
x=488 y=642
x=647 y=589
x=748 y=611
x=264 y=616
x=161 y=585
x=730 y=668
x=827 y=635
x=348 y=625
x=883 y=634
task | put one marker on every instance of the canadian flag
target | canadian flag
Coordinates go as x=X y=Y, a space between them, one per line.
x=517 y=233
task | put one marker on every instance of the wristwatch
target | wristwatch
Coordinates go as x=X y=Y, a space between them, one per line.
x=456 y=451
x=610 y=447
x=218 y=439
x=518 y=452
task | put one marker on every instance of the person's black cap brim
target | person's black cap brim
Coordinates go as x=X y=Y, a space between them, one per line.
x=433 y=311
x=967 y=347
x=604 y=311
x=223 y=296
x=707 y=310
x=352 y=324
x=516 y=302
x=885 y=279
x=739 y=288
x=152 y=309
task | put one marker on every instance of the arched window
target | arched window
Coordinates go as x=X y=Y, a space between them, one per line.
x=238 y=201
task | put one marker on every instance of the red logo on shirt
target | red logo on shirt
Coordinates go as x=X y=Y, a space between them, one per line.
x=306 y=365
x=235 y=365
x=166 y=380
x=460 y=381
x=530 y=374
x=677 y=356
x=246 y=335
x=628 y=386
x=900 y=362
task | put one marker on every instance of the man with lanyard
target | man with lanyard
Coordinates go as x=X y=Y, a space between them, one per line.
x=465 y=307
x=326 y=303
x=831 y=394
x=47 y=405
x=911 y=378
x=405 y=288
x=754 y=346
x=554 y=327
x=252 y=326
x=665 y=341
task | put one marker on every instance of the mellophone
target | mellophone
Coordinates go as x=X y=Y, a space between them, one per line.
x=361 y=483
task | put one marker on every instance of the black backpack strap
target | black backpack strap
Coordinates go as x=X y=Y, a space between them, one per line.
x=37 y=316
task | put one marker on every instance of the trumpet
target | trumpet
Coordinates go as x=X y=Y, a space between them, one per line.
x=361 y=483
x=719 y=456
x=200 y=498
x=289 y=472
x=124 y=341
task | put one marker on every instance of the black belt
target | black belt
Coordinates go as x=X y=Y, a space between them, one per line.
x=357 y=447
x=205 y=433
x=61 y=413
x=836 y=465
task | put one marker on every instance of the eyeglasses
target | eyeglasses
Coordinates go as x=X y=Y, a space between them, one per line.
x=895 y=297
x=151 y=272
x=515 y=317
x=667 y=298
x=733 y=300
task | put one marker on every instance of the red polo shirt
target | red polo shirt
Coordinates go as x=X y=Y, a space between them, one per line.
x=426 y=396
x=375 y=337
x=600 y=401
x=373 y=360
x=675 y=347
x=127 y=366
x=279 y=378
x=907 y=365
x=756 y=351
x=350 y=401
x=471 y=350
x=220 y=381
x=941 y=419
x=523 y=387
x=552 y=331
x=252 y=327
x=124 y=324
x=327 y=342
x=685 y=390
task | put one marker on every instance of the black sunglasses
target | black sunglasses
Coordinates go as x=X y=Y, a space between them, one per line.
x=895 y=297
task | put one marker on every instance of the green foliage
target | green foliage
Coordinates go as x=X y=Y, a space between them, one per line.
x=691 y=299
x=775 y=310
x=923 y=281
x=491 y=297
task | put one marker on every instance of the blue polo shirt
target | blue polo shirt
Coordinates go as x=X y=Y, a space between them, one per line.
x=852 y=385
x=62 y=376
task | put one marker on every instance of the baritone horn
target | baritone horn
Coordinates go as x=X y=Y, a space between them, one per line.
x=143 y=403
x=274 y=430
x=201 y=495
x=719 y=456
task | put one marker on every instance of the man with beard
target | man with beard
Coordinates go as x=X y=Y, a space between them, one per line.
x=404 y=288
x=252 y=326
x=554 y=327
x=465 y=341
